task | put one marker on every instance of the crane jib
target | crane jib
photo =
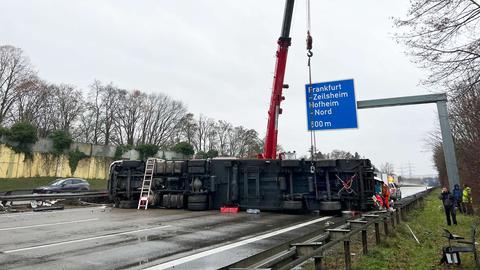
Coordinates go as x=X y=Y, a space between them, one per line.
x=270 y=147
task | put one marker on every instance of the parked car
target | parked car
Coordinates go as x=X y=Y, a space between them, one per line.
x=64 y=185
x=395 y=192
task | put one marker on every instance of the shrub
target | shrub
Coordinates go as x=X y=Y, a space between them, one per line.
x=73 y=158
x=23 y=132
x=212 y=153
x=61 y=141
x=120 y=150
x=201 y=155
x=183 y=148
x=4 y=132
x=147 y=150
x=22 y=135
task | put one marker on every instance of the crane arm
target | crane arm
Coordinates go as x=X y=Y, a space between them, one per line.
x=284 y=41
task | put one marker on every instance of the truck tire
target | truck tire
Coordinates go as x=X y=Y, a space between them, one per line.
x=198 y=198
x=292 y=205
x=198 y=206
x=180 y=201
x=166 y=201
x=128 y=204
x=330 y=206
x=197 y=202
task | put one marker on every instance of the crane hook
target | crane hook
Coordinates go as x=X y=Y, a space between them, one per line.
x=309 y=44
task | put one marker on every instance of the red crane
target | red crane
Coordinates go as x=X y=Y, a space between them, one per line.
x=270 y=147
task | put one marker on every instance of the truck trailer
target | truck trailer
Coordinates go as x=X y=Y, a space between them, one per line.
x=273 y=185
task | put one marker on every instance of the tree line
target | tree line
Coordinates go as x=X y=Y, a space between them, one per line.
x=109 y=115
x=444 y=37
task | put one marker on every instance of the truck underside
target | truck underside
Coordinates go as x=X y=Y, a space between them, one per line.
x=325 y=185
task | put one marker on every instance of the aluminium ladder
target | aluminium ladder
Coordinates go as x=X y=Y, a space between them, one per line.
x=147 y=183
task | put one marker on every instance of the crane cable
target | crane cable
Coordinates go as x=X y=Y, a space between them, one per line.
x=313 y=139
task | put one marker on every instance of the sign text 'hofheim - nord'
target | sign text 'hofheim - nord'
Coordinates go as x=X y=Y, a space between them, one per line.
x=331 y=105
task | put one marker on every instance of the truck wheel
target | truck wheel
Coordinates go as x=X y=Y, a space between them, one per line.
x=198 y=198
x=197 y=206
x=166 y=201
x=197 y=202
x=292 y=205
x=330 y=206
x=180 y=201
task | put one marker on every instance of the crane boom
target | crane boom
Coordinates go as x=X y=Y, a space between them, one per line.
x=284 y=41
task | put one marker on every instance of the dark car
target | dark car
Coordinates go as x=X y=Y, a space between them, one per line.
x=64 y=185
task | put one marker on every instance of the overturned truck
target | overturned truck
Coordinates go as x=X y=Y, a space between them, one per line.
x=274 y=185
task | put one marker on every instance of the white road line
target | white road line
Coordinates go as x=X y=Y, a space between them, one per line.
x=48 y=224
x=52 y=212
x=82 y=240
x=193 y=257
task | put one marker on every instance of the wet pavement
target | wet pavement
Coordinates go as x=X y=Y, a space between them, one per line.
x=106 y=238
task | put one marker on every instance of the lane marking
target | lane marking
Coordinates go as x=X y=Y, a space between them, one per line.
x=48 y=224
x=82 y=240
x=193 y=257
x=52 y=212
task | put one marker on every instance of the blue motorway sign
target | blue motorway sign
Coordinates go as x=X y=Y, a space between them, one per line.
x=331 y=105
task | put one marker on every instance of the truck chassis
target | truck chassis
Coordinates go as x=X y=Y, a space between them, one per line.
x=273 y=185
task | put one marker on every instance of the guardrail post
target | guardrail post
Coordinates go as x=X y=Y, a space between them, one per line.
x=364 y=241
x=392 y=220
x=348 y=262
x=318 y=262
x=377 y=233
x=385 y=225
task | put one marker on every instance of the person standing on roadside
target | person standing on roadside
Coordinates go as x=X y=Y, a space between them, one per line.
x=449 y=206
x=386 y=196
x=457 y=195
x=467 y=199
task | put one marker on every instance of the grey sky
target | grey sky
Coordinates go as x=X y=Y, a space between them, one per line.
x=218 y=58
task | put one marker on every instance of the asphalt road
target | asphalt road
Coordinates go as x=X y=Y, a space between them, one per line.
x=106 y=238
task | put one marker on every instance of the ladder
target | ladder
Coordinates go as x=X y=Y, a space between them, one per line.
x=147 y=183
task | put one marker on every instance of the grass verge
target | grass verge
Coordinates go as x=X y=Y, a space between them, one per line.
x=7 y=184
x=401 y=251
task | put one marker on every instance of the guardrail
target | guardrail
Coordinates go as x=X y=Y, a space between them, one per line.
x=52 y=196
x=315 y=247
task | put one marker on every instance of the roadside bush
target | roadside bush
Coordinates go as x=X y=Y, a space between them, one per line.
x=23 y=132
x=212 y=153
x=4 y=132
x=120 y=150
x=73 y=158
x=21 y=135
x=183 y=148
x=147 y=150
x=61 y=141
x=201 y=155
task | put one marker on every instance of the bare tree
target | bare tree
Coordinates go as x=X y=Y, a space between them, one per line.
x=94 y=112
x=15 y=71
x=223 y=128
x=161 y=119
x=387 y=168
x=128 y=115
x=68 y=105
x=110 y=96
x=204 y=129
x=31 y=102
x=443 y=36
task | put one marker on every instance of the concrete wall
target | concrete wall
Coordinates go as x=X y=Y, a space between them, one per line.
x=14 y=165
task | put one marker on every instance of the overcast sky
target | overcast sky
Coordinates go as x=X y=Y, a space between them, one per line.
x=218 y=58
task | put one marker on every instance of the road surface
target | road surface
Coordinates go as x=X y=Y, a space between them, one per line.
x=106 y=238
